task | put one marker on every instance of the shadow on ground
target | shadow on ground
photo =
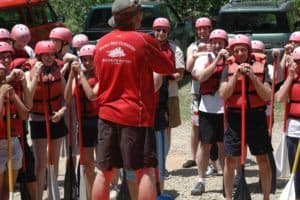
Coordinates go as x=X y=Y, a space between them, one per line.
x=172 y=193
x=184 y=172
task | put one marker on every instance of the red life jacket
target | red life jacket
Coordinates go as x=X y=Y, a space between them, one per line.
x=53 y=90
x=253 y=100
x=259 y=57
x=211 y=85
x=16 y=122
x=88 y=108
x=293 y=108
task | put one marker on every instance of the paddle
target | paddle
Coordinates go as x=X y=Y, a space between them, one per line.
x=242 y=191
x=53 y=191
x=82 y=184
x=9 y=162
x=70 y=176
x=281 y=158
x=288 y=192
x=270 y=154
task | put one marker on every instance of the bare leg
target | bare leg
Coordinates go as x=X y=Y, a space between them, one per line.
x=55 y=145
x=194 y=141
x=265 y=174
x=221 y=155
x=5 y=187
x=230 y=165
x=32 y=189
x=101 y=185
x=88 y=162
x=133 y=189
x=203 y=159
x=40 y=152
x=1 y=184
x=146 y=188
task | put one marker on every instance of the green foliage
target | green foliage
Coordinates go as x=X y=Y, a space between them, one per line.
x=75 y=11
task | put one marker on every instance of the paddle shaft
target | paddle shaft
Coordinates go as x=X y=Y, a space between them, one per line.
x=9 y=162
x=297 y=158
x=78 y=114
x=47 y=121
x=243 y=127
x=275 y=65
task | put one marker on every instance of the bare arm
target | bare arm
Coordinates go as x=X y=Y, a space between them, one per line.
x=157 y=81
x=91 y=93
x=22 y=110
x=283 y=93
x=263 y=89
x=190 y=59
x=227 y=88
x=69 y=90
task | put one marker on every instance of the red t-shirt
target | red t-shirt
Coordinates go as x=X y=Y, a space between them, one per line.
x=125 y=61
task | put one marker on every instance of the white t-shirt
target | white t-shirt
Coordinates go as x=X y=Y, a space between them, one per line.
x=209 y=103
x=195 y=84
x=179 y=64
x=293 y=127
x=29 y=51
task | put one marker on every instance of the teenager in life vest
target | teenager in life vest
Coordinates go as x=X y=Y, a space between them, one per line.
x=290 y=92
x=89 y=106
x=21 y=36
x=286 y=60
x=203 y=27
x=258 y=92
x=207 y=71
x=45 y=78
x=18 y=112
x=5 y=36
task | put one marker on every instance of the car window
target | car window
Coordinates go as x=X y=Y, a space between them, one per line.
x=254 y=23
x=148 y=17
x=99 y=18
x=37 y=13
x=50 y=14
x=10 y=17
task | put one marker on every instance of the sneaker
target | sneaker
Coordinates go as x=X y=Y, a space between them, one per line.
x=199 y=189
x=189 y=163
x=114 y=191
x=211 y=171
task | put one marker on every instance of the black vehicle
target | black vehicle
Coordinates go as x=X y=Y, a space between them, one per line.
x=182 y=33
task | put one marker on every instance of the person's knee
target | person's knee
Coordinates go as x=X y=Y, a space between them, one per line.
x=230 y=163
x=263 y=161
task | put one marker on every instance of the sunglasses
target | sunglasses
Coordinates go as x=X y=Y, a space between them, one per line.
x=161 y=30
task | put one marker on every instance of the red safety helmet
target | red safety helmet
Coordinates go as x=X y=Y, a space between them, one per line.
x=21 y=32
x=45 y=46
x=87 y=50
x=5 y=47
x=203 y=22
x=5 y=34
x=257 y=45
x=296 y=54
x=79 y=40
x=61 y=33
x=240 y=39
x=219 y=34
x=295 y=37
x=161 y=22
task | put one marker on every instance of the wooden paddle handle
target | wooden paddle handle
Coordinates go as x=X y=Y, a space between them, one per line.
x=78 y=114
x=297 y=158
x=243 y=127
x=9 y=162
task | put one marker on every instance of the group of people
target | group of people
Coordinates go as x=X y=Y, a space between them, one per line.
x=128 y=92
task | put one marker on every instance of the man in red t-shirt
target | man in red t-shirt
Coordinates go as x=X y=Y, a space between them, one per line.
x=125 y=61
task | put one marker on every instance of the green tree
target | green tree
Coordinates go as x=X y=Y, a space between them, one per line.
x=75 y=11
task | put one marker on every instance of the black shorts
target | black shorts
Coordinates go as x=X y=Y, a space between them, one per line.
x=38 y=129
x=211 y=127
x=125 y=146
x=257 y=136
x=89 y=131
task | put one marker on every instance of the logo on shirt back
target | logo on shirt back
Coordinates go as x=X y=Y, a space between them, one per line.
x=116 y=53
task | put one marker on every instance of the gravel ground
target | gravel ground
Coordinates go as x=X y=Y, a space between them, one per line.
x=181 y=181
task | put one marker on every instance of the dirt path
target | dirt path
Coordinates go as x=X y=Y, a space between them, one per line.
x=181 y=181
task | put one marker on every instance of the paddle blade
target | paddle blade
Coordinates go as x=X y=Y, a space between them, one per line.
x=70 y=179
x=281 y=159
x=82 y=185
x=53 y=191
x=288 y=193
x=11 y=196
x=242 y=191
